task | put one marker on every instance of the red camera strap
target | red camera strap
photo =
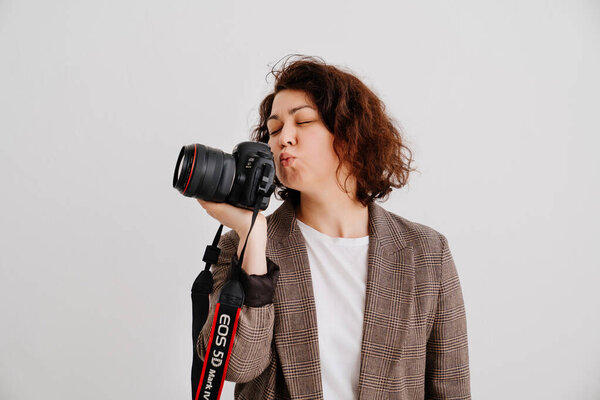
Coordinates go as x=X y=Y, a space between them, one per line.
x=217 y=355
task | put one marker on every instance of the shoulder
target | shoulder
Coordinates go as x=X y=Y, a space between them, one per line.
x=428 y=246
x=422 y=238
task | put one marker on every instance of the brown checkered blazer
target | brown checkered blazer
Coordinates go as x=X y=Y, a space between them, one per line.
x=414 y=343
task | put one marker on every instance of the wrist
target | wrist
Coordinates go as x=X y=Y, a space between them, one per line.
x=254 y=258
x=259 y=229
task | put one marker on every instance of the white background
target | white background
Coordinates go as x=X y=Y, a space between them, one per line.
x=497 y=99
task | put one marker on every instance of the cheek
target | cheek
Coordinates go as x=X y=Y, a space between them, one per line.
x=325 y=156
x=321 y=165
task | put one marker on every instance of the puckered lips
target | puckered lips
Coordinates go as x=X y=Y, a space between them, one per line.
x=286 y=159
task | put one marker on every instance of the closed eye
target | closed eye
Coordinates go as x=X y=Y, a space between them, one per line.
x=299 y=123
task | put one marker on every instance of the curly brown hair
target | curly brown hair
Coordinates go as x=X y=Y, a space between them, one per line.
x=365 y=137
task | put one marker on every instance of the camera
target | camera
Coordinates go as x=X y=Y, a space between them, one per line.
x=241 y=179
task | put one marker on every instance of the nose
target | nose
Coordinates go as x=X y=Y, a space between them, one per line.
x=287 y=136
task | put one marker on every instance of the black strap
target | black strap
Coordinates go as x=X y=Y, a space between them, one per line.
x=202 y=287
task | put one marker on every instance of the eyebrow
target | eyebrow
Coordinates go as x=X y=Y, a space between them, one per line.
x=291 y=111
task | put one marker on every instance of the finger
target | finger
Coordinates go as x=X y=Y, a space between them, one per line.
x=213 y=208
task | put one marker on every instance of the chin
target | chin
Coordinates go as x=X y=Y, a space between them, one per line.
x=288 y=184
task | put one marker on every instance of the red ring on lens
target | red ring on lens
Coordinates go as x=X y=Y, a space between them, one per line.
x=191 y=170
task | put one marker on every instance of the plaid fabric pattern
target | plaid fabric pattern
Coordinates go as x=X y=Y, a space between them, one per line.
x=414 y=343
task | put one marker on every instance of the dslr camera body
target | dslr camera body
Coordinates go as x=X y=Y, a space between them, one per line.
x=241 y=179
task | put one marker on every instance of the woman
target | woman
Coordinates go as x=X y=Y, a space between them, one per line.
x=343 y=298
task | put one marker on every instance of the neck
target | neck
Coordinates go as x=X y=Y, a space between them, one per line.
x=335 y=214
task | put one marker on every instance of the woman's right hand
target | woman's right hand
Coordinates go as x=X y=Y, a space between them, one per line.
x=236 y=218
x=239 y=220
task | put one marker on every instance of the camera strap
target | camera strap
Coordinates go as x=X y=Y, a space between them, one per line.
x=208 y=377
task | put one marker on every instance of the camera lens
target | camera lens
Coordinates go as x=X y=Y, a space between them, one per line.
x=204 y=173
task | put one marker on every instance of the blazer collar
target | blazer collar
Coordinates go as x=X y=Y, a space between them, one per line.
x=382 y=230
x=389 y=294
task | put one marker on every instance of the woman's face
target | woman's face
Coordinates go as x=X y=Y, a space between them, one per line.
x=296 y=130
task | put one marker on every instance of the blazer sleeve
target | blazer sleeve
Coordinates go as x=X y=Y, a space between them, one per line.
x=252 y=351
x=447 y=365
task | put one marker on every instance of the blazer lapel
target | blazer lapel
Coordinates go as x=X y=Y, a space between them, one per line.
x=295 y=331
x=388 y=302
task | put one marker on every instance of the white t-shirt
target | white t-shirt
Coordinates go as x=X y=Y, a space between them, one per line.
x=338 y=267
